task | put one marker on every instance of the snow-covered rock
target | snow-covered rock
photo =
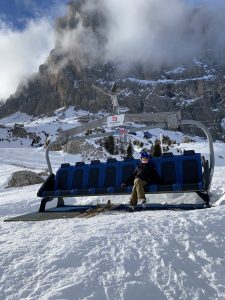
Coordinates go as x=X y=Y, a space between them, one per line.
x=22 y=178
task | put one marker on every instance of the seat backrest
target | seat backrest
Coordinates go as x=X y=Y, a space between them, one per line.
x=110 y=174
x=178 y=169
x=62 y=177
x=190 y=168
x=168 y=169
x=78 y=177
x=126 y=169
x=93 y=175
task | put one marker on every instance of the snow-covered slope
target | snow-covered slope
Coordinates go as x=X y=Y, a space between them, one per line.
x=60 y=119
x=144 y=255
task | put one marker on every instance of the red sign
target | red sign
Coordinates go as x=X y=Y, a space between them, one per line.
x=116 y=120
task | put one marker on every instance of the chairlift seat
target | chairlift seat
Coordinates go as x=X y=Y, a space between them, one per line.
x=179 y=173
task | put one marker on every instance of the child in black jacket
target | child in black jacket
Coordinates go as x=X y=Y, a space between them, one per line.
x=144 y=174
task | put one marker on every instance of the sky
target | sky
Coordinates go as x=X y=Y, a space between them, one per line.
x=18 y=13
x=24 y=44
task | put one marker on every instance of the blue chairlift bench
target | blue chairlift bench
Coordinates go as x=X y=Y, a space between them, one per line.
x=179 y=173
x=185 y=173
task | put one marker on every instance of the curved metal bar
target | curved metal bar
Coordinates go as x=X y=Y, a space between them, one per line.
x=210 y=143
x=47 y=156
x=180 y=122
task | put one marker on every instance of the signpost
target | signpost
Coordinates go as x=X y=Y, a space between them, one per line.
x=115 y=120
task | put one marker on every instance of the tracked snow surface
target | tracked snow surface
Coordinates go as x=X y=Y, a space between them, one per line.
x=114 y=255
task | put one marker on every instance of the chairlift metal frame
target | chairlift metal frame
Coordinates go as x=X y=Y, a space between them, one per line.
x=164 y=120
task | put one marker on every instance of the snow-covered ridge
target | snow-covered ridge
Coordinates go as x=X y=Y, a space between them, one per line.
x=61 y=119
x=167 y=81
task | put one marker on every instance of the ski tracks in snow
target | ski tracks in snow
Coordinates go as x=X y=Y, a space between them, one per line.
x=145 y=255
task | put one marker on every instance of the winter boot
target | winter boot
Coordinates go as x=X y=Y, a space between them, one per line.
x=143 y=202
x=131 y=208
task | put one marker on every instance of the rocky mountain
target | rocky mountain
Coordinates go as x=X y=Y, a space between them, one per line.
x=195 y=86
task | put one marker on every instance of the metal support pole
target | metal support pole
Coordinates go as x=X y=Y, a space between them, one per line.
x=161 y=141
x=210 y=144
x=47 y=157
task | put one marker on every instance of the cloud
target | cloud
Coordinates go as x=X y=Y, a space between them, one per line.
x=22 y=52
x=156 y=32
x=151 y=32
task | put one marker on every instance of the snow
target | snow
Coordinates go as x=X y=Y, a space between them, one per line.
x=144 y=255
x=178 y=70
x=169 y=81
x=63 y=118
x=188 y=102
x=144 y=82
x=18 y=118
x=223 y=123
x=198 y=62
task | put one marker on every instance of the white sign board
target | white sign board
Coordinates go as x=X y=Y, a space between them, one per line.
x=116 y=120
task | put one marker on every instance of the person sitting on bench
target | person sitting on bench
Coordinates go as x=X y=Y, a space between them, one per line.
x=144 y=174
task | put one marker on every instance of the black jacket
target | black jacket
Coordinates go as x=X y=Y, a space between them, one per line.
x=145 y=172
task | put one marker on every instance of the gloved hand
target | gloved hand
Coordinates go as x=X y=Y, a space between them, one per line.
x=123 y=185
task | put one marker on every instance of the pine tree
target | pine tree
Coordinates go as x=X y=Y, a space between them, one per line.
x=130 y=150
x=156 y=149
x=110 y=144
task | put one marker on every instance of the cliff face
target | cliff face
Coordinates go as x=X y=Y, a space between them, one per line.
x=196 y=87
